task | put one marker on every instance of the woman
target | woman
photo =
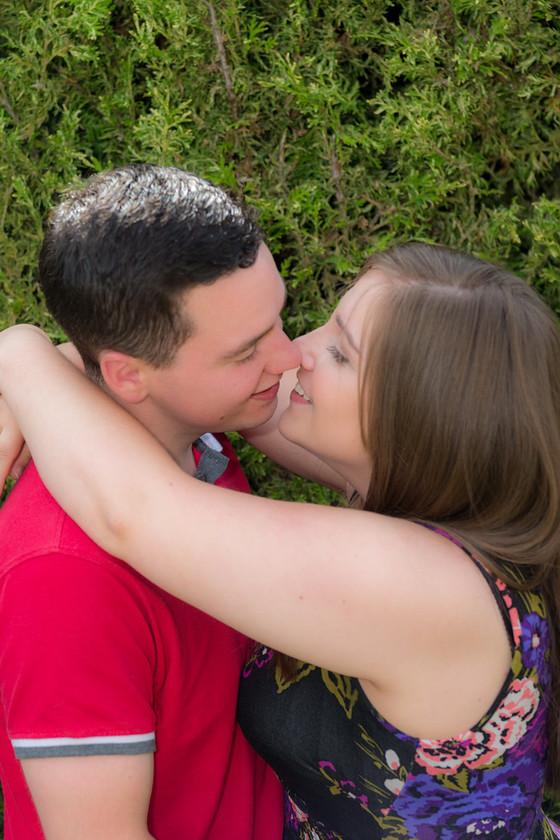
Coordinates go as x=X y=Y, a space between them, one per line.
x=429 y=609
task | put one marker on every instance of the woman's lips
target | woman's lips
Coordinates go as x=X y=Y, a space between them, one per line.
x=298 y=395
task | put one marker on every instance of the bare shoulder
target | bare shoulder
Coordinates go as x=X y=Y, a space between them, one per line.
x=439 y=586
x=448 y=652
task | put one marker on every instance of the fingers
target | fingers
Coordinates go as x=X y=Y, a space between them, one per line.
x=21 y=462
x=13 y=452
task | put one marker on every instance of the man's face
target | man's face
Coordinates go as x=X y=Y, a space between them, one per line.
x=226 y=374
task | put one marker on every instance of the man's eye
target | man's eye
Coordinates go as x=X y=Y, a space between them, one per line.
x=247 y=358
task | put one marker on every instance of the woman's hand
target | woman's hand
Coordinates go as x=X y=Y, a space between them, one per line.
x=14 y=453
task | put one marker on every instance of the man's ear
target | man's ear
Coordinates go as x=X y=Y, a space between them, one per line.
x=124 y=375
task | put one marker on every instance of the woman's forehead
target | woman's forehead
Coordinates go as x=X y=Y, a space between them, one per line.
x=363 y=292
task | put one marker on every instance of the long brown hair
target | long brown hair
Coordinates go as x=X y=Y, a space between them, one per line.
x=461 y=402
x=460 y=393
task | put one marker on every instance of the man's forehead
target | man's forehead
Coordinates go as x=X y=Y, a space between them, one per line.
x=238 y=309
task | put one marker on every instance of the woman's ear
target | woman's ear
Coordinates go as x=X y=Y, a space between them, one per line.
x=124 y=375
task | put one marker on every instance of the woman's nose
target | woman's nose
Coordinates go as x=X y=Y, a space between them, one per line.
x=305 y=345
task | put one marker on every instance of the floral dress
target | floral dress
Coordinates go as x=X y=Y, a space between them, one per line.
x=350 y=775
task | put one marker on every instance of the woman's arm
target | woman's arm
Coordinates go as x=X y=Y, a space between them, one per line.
x=336 y=587
x=14 y=452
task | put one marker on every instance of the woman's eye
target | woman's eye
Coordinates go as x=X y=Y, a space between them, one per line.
x=336 y=354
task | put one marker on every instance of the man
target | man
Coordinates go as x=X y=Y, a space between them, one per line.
x=117 y=700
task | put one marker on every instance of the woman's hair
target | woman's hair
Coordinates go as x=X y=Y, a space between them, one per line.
x=460 y=389
x=460 y=393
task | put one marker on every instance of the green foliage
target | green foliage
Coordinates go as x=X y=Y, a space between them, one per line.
x=271 y=480
x=551 y=806
x=349 y=125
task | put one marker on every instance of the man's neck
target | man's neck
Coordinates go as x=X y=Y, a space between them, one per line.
x=185 y=459
x=179 y=446
x=178 y=441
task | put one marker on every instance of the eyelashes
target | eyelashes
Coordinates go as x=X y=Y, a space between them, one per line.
x=336 y=354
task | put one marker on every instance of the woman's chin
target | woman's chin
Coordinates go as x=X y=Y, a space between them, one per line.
x=286 y=431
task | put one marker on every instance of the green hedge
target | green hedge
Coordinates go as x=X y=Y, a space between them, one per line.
x=349 y=125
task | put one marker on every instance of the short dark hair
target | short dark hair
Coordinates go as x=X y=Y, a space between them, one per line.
x=119 y=251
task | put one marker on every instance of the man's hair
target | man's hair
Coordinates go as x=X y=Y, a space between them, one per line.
x=119 y=252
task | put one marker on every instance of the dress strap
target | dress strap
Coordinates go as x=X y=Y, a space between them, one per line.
x=499 y=589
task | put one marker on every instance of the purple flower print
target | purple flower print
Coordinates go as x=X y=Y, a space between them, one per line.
x=345 y=786
x=535 y=641
x=260 y=658
x=297 y=821
x=293 y=815
x=500 y=806
x=479 y=748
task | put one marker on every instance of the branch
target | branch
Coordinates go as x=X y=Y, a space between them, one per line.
x=219 y=41
x=5 y=102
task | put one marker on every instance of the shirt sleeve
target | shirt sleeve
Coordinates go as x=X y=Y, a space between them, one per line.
x=78 y=659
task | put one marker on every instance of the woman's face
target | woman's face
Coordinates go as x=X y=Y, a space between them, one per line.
x=324 y=411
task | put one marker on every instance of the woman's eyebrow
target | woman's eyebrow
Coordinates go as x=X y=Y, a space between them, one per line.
x=347 y=335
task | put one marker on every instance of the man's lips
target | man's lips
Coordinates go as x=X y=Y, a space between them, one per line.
x=268 y=394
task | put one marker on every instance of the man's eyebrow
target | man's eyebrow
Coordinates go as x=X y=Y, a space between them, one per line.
x=252 y=341
x=347 y=335
x=247 y=345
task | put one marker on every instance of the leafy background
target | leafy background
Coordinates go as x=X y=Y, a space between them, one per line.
x=349 y=125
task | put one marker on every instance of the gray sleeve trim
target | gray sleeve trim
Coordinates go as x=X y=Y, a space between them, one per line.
x=59 y=747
